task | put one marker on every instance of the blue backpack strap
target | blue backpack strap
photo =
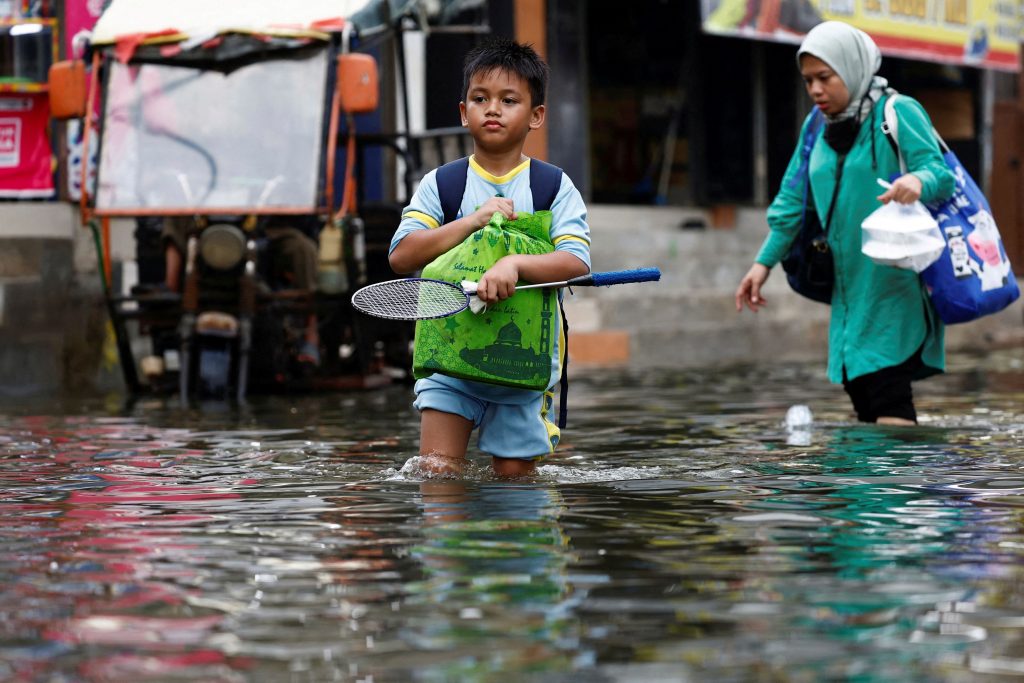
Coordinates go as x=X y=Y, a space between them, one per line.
x=451 y=186
x=545 y=181
x=816 y=121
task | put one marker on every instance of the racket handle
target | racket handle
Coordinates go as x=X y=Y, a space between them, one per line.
x=616 y=277
x=611 y=277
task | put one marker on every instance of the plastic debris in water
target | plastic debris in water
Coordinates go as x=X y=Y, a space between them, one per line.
x=799 y=417
x=798 y=423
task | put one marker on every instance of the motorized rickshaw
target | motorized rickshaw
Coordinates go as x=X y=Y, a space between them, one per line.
x=231 y=118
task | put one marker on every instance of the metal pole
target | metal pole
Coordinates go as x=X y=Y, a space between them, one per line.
x=124 y=349
x=760 y=146
x=988 y=103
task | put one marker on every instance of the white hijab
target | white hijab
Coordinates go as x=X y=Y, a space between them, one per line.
x=854 y=57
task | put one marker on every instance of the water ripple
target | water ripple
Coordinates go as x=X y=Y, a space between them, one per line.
x=679 y=533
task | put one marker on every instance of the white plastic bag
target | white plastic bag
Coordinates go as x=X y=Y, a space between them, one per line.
x=902 y=235
x=475 y=305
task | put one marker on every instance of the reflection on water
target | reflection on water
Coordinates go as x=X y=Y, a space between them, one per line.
x=681 y=533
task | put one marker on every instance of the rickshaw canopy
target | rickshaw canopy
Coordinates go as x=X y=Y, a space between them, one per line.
x=222 y=34
x=217 y=107
x=143 y=21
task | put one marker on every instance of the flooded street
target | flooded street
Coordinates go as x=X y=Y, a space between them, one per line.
x=682 y=533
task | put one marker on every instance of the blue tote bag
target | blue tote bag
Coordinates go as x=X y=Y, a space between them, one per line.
x=972 y=277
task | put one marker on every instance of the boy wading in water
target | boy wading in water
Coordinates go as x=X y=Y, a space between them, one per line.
x=504 y=85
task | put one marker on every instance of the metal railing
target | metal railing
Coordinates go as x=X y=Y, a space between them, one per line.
x=419 y=152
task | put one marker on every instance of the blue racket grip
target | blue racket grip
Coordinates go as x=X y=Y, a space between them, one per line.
x=616 y=277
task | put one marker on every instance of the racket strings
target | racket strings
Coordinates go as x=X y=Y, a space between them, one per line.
x=410 y=299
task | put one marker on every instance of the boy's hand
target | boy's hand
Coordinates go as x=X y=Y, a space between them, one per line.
x=499 y=282
x=482 y=216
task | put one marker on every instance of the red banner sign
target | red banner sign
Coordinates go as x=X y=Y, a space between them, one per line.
x=25 y=154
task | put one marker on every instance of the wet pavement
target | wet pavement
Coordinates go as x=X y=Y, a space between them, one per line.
x=683 y=532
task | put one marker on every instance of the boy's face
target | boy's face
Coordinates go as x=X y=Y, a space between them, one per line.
x=498 y=110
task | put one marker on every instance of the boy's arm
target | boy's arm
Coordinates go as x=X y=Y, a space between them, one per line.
x=499 y=282
x=420 y=247
x=571 y=258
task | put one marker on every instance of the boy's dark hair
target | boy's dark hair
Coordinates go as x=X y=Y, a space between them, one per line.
x=507 y=55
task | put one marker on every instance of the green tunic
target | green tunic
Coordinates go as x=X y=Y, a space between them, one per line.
x=881 y=315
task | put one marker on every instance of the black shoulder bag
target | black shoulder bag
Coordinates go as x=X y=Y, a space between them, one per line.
x=808 y=263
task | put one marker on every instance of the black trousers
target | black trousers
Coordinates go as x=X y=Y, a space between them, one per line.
x=886 y=392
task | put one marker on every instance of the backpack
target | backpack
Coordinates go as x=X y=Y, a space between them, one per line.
x=545 y=181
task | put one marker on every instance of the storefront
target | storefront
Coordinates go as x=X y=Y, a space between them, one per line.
x=28 y=45
x=690 y=103
x=34 y=153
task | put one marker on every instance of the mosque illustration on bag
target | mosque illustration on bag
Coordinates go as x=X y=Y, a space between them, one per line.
x=508 y=357
x=459 y=346
x=510 y=343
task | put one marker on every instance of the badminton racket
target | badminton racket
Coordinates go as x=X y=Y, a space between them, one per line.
x=417 y=298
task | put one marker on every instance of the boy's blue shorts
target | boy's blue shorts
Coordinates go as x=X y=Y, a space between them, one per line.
x=521 y=428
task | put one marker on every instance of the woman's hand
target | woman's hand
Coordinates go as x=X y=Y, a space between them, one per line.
x=499 y=282
x=905 y=190
x=749 y=291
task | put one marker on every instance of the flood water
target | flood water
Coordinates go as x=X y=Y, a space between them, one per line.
x=681 y=533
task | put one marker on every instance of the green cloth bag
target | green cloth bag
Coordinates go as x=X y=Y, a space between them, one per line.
x=510 y=344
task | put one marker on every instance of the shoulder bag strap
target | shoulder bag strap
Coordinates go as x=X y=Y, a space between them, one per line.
x=814 y=127
x=840 y=164
x=891 y=128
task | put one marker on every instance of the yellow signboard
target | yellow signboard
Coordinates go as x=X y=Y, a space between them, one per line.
x=983 y=33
